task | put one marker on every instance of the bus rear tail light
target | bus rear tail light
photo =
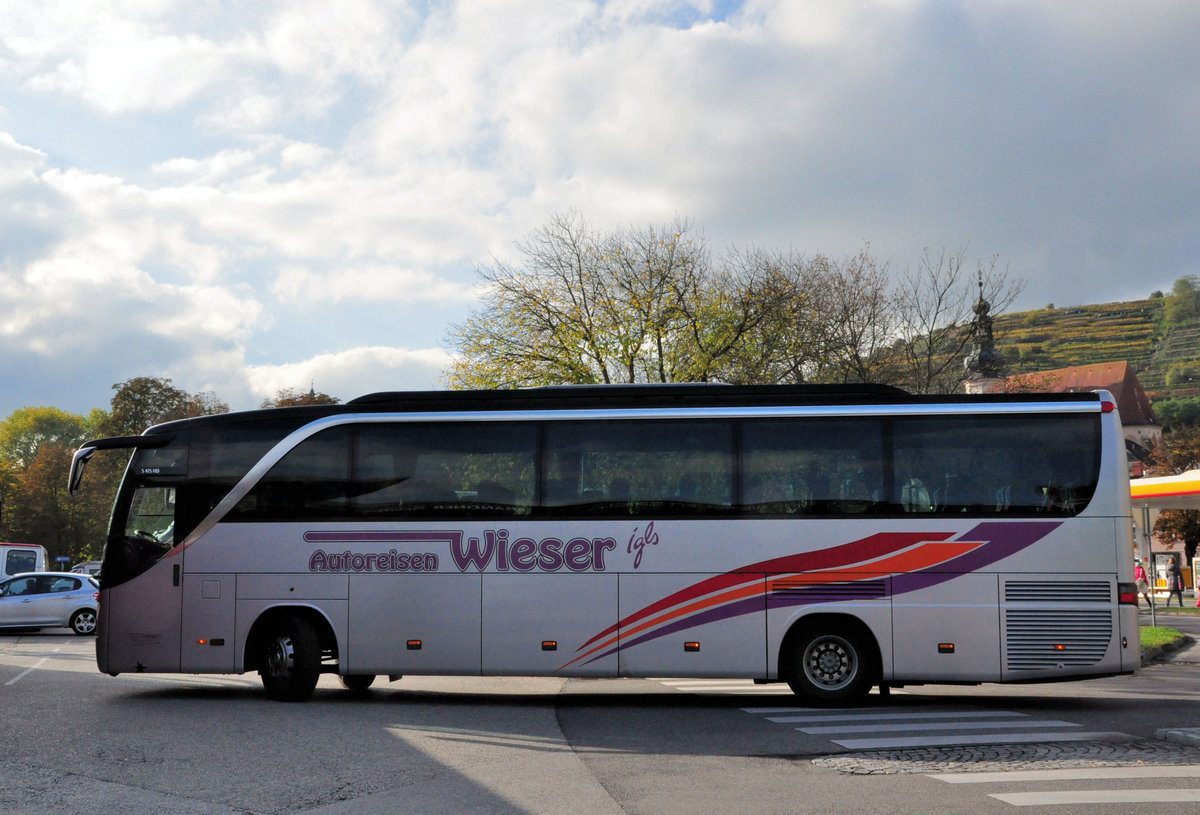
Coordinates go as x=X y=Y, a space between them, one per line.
x=1127 y=594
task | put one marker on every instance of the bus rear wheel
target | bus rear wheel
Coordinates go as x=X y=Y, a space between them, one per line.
x=830 y=668
x=291 y=661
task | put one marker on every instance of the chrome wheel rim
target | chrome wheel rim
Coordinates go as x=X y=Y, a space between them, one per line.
x=85 y=623
x=281 y=657
x=830 y=663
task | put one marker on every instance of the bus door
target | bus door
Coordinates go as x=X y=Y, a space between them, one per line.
x=141 y=588
x=207 y=622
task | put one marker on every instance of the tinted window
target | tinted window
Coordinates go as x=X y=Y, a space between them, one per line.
x=16 y=562
x=817 y=466
x=59 y=584
x=19 y=586
x=401 y=470
x=806 y=466
x=467 y=470
x=1017 y=464
x=639 y=468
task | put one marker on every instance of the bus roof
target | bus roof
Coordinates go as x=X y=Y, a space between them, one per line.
x=585 y=397
x=594 y=397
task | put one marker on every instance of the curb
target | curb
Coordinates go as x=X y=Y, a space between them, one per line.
x=1189 y=736
x=1159 y=651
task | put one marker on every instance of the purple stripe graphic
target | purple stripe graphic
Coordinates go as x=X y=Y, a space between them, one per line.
x=749 y=605
x=1001 y=540
x=363 y=536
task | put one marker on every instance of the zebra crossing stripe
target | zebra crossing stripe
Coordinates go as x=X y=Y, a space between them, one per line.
x=1073 y=774
x=993 y=738
x=916 y=727
x=876 y=717
x=1127 y=796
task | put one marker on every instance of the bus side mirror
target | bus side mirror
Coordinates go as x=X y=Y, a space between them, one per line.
x=78 y=462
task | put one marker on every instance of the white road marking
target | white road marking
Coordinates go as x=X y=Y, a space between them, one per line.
x=848 y=716
x=1128 y=796
x=914 y=727
x=29 y=670
x=994 y=738
x=1073 y=774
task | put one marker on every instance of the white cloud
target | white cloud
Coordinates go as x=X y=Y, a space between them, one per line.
x=288 y=158
x=353 y=372
x=296 y=284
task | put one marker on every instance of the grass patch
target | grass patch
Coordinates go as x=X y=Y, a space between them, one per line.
x=1188 y=607
x=1154 y=636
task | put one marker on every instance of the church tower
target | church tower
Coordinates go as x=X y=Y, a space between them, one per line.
x=985 y=365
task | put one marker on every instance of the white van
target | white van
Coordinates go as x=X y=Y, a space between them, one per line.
x=17 y=558
x=89 y=567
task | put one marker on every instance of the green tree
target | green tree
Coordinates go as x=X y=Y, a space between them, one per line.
x=36 y=445
x=1183 y=306
x=28 y=429
x=629 y=306
x=1177 y=412
x=652 y=305
x=290 y=397
x=144 y=401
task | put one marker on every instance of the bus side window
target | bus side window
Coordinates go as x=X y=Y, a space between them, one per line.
x=817 y=466
x=640 y=468
x=445 y=469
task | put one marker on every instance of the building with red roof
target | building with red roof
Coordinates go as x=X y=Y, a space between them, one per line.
x=1142 y=428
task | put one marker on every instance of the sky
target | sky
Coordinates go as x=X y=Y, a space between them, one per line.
x=252 y=196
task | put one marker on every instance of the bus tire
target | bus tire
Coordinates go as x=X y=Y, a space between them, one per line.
x=357 y=683
x=830 y=667
x=291 y=660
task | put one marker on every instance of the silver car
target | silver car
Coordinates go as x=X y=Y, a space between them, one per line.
x=45 y=599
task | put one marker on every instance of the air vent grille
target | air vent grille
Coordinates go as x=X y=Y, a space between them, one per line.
x=1041 y=591
x=827 y=592
x=1040 y=640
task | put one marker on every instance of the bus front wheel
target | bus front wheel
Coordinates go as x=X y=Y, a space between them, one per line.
x=291 y=661
x=834 y=667
x=357 y=683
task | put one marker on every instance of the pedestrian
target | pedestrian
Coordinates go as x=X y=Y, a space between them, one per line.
x=1143 y=583
x=1174 y=581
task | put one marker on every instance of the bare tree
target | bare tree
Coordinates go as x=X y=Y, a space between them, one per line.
x=934 y=307
x=651 y=305
x=628 y=306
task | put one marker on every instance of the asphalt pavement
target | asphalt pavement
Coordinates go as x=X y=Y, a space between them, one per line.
x=1188 y=654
